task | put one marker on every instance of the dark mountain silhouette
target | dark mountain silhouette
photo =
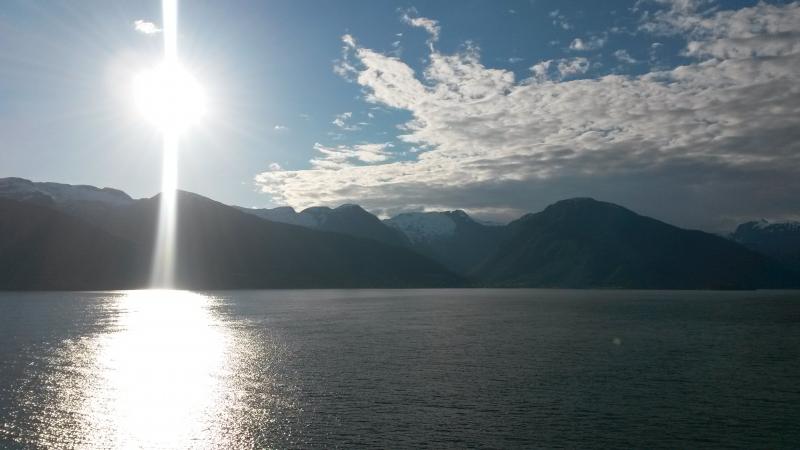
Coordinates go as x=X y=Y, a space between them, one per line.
x=55 y=236
x=348 y=219
x=41 y=248
x=779 y=240
x=452 y=237
x=581 y=243
x=220 y=247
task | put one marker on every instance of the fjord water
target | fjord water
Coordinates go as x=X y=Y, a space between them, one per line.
x=396 y=368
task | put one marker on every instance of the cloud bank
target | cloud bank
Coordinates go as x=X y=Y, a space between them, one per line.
x=705 y=144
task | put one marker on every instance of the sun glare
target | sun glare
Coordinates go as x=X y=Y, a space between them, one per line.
x=169 y=97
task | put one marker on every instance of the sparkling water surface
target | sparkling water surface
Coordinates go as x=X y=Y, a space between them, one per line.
x=400 y=368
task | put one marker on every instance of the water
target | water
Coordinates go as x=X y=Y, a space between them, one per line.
x=437 y=368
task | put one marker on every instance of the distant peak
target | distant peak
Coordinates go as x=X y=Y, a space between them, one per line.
x=11 y=180
x=582 y=202
x=316 y=209
x=352 y=206
x=769 y=226
x=576 y=200
x=579 y=206
x=460 y=215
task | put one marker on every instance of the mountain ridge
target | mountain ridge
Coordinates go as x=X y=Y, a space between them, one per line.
x=622 y=249
x=577 y=242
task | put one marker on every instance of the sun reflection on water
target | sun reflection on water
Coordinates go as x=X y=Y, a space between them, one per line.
x=161 y=374
x=150 y=369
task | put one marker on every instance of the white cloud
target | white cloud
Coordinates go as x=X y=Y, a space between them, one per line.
x=540 y=70
x=680 y=15
x=275 y=167
x=560 y=20
x=342 y=156
x=146 y=27
x=718 y=137
x=280 y=128
x=343 y=67
x=761 y=31
x=342 y=121
x=578 y=44
x=625 y=57
x=429 y=25
x=593 y=43
x=559 y=69
x=574 y=66
x=349 y=40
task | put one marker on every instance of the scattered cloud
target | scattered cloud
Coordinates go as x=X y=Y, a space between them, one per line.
x=624 y=57
x=571 y=67
x=559 y=69
x=275 y=167
x=560 y=20
x=429 y=25
x=343 y=66
x=593 y=43
x=145 y=27
x=349 y=40
x=341 y=121
x=343 y=156
x=280 y=128
x=721 y=134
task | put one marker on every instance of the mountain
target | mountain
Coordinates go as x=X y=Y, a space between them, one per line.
x=452 y=237
x=42 y=248
x=218 y=247
x=583 y=243
x=55 y=236
x=351 y=220
x=60 y=196
x=87 y=203
x=778 y=240
x=222 y=247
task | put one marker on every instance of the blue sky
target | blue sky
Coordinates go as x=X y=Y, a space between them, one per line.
x=278 y=75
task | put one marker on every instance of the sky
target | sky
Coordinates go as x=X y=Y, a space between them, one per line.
x=684 y=110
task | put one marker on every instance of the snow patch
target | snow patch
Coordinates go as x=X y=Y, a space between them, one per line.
x=421 y=227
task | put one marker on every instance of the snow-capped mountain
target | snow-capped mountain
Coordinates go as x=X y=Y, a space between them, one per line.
x=780 y=240
x=62 y=195
x=451 y=237
x=766 y=226
x=347 y=219
x=424 y=227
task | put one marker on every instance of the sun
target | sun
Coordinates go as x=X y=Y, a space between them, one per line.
x=169 y=97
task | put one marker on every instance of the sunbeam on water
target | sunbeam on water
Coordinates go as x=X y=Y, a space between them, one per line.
x=399 y=369
x=161 y=377
x=145 y=369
